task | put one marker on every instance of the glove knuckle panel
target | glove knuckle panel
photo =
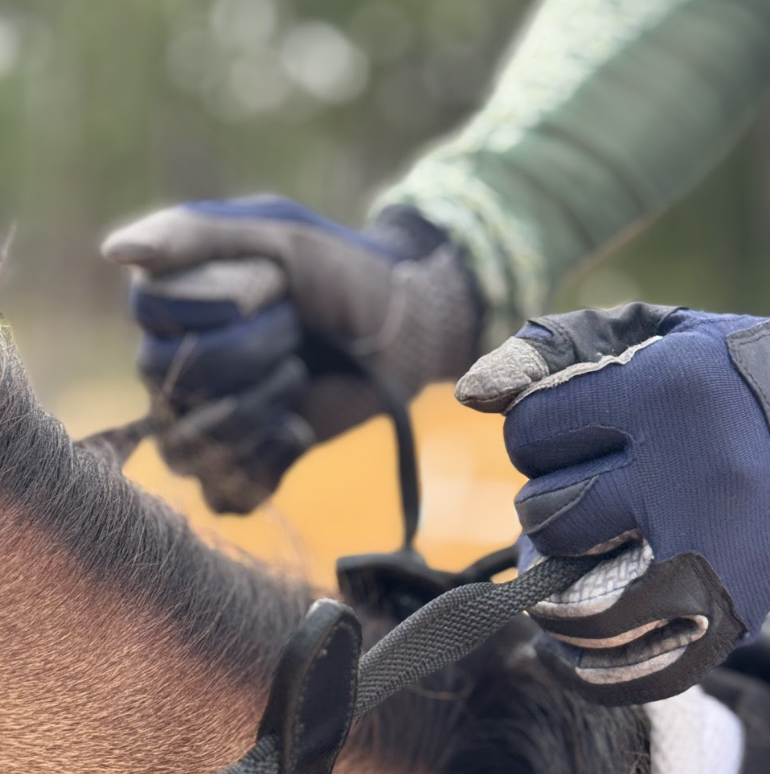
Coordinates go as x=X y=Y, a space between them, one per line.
x=578 y=517
x=589 y=334
x=536 y=512
x=171 y=317
x=555 y=451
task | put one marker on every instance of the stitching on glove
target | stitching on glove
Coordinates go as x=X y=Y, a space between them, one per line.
x=579 y=369
x=742 y=339
x=711 y=319
x=724 y=600
x=561 y=335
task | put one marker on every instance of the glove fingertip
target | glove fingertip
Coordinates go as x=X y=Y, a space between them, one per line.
x=120 y=249
x=164 y=240
x=497 y=378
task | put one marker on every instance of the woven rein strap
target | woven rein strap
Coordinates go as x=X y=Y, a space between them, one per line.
x=454 y=624
x=438 y=634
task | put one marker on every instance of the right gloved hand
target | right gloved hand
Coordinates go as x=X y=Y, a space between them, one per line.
x=234 y=297
x=648 y=427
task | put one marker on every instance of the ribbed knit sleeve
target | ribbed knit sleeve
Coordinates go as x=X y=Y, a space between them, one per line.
x=604 y=113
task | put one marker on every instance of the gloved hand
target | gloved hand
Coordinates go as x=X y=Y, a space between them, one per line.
x=237 y=299
x=645 y=427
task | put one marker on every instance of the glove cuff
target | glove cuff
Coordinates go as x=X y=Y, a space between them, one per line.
x=449 y=304
x=406 y=232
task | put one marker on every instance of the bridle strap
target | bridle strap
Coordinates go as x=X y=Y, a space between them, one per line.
x=456 y=623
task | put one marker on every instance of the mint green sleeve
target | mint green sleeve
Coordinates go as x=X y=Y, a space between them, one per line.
x=605 y=112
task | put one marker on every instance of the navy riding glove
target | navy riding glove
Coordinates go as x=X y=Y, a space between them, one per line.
x=646 y=429
x=239 y=299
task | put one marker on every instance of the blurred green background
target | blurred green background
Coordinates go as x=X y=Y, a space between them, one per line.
x=110 y=109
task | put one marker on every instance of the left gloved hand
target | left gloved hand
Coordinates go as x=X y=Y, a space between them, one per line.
x=646 y=427
x=246 y=305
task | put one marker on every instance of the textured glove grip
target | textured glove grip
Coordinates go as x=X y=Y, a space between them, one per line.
x=685 y=584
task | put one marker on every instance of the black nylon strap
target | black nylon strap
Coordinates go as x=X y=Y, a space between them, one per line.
x=324 y=354
x=440 y=633
x=454 y=624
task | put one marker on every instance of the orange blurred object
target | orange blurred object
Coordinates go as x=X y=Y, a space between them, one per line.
x=343 y=497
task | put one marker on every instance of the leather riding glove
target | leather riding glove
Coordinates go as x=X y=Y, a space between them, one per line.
x=239 y=300
x=644 y=434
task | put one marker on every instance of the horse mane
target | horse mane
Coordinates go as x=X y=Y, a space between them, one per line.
x=496 y=711
x=229 y=608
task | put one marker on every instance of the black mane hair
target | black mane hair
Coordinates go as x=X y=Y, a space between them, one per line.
x=229 y=609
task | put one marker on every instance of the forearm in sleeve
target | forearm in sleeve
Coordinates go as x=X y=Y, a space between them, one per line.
x=606 y=111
